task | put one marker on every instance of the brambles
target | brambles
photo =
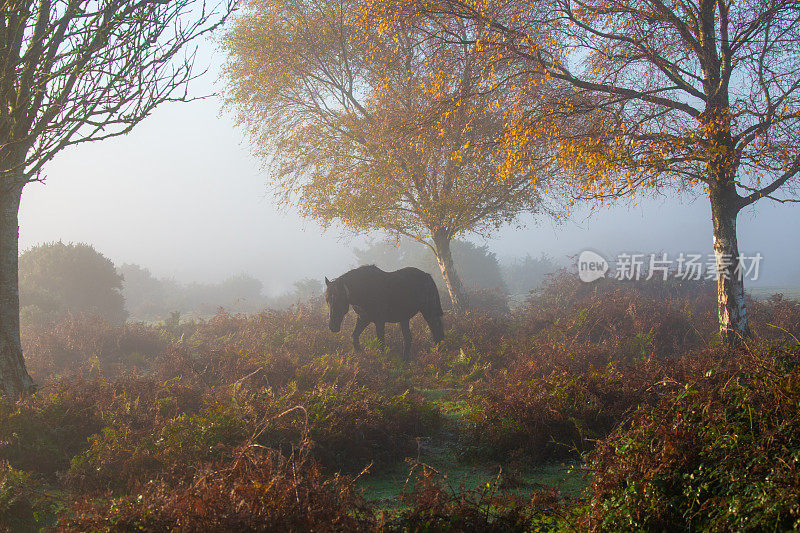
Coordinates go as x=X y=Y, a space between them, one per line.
x=720 y=452
x=258 y=490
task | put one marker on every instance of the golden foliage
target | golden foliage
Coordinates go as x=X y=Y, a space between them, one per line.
x=366 y=122
x=663 y=93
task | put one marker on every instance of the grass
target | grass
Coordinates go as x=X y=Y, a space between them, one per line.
x=443 y=453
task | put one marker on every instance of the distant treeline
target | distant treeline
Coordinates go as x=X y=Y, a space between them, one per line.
x=150 y=298
x=57 y=279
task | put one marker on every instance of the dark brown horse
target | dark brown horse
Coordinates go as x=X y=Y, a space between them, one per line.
x=379 y=297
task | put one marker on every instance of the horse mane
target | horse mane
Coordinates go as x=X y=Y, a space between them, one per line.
x=367 y=267
x=358 y=270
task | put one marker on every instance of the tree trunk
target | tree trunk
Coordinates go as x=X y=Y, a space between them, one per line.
x=14 y=379
x=733 y=325
x=455 y=289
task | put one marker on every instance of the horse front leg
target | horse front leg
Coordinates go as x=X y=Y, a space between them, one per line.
x=380 y=332
x=404 y=326
x=361 y=324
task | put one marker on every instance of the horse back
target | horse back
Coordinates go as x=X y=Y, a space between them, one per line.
x=393 y=296
x=423 y=288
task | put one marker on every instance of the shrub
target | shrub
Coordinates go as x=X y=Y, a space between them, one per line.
x=259 y=490
x=720 y=452
x=59 y=279
x=552 y=418
x=123 y=455
x=158 y=425
x=353 y=426
x=16 y=507
x=41 y=433
x=630 y=319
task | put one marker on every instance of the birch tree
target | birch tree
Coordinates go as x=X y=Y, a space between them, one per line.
x=686 y=95
x=377 y=128
x=75 y=71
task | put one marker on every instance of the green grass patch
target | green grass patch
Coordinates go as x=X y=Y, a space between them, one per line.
x=444 y=453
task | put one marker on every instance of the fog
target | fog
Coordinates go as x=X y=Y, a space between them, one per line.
x=182 y=196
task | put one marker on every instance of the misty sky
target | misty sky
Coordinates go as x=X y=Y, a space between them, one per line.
x=182 y=196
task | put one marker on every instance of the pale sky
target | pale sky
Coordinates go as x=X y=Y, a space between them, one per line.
x=182 y=196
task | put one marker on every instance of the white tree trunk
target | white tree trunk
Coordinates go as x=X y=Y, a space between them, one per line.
x=733 y=325
x=458 y=296
x=14 y=379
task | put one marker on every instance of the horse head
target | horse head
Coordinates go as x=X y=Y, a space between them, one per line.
x=337 y=298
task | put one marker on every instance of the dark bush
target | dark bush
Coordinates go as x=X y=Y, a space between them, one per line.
x=720 y=452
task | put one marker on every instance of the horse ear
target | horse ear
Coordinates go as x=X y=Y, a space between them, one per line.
x=327 y=282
